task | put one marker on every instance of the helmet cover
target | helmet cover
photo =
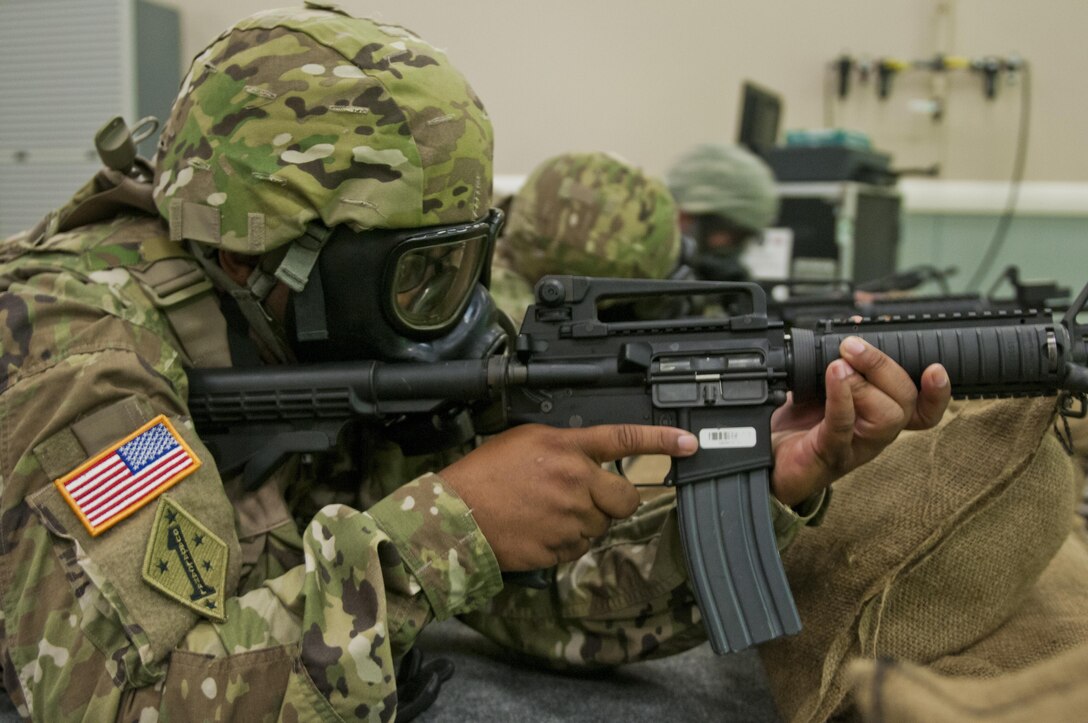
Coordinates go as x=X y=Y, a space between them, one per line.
x=307 y=114
x=591 y=214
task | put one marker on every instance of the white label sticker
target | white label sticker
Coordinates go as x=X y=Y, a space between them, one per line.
x=727 y=437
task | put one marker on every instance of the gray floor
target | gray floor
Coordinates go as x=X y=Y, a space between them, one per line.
x=490 y=686
x=695 y=686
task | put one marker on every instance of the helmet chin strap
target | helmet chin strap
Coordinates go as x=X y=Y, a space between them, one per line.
x=250 y=299
x=311 y=322
x=299 y=270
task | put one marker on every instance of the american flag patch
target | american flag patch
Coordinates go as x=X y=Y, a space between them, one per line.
x=127 y=475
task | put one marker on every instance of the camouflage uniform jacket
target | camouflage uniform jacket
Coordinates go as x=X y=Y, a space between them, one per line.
x=289 y=627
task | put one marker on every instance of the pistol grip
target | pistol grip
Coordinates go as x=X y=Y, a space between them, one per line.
x=733 y=561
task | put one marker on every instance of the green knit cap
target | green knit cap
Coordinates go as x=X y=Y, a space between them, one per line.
x=725 y=180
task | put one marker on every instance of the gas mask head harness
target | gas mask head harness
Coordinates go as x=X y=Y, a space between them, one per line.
x=398 y=295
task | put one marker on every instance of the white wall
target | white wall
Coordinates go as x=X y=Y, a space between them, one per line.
x=646 y=78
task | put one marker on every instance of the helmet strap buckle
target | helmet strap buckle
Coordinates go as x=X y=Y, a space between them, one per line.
x=301 y=256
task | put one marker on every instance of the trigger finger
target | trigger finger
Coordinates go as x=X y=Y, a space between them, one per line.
x=613 y=495
x=573 y=550
x=596 y=526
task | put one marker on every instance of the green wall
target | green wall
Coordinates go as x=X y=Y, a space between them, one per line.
x=1045 y=248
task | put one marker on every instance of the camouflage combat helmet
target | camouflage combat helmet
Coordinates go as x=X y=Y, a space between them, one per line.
x=725 y=180
x=591 y=214
x=309 y=114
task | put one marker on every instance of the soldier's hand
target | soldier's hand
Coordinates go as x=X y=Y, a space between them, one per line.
x=539 y=493
x=870 y=399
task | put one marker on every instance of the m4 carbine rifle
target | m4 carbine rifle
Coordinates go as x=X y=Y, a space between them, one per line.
x=719 y=378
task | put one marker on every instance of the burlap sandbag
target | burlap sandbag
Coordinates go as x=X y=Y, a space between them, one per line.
x=1078 y=437
x=1033 y=668
x=924 y=551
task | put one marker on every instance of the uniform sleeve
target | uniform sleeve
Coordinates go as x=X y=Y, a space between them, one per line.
x=370 y=582
x=788 y=521
x=626 y=600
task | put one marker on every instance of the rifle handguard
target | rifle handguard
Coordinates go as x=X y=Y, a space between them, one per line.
x=985 y=355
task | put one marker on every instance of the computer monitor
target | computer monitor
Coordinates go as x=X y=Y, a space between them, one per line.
x=760 y=113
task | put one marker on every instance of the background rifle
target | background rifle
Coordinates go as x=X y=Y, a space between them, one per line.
x=841 y=302
x=720 y=378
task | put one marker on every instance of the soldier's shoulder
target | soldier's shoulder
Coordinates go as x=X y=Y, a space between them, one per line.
x=74 y=292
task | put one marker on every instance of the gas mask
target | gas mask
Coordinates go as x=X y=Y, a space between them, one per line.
x=720 y=246
x=720 y=266
x=399 y=295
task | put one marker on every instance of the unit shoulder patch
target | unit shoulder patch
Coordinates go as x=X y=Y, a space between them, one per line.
x=186 y=561
x=127 y=475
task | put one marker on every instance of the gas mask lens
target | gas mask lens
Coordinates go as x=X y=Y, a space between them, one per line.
x=432 y=281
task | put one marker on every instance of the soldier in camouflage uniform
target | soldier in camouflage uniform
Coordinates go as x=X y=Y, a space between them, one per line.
x=725 y=195
x=589 y=214
x=139 y=584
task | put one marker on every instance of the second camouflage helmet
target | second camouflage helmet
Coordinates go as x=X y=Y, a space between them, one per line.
x=308 y=114
x=591 y=214
x=727 y=181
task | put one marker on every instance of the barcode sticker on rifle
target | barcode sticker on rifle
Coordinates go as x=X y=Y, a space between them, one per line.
x=727 y=437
